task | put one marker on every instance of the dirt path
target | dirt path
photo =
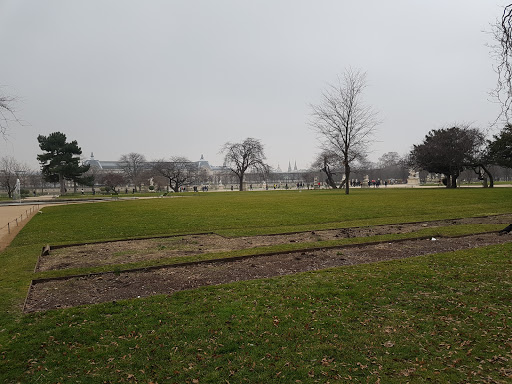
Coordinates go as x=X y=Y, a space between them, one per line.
x=12 y=219
x=90 y=289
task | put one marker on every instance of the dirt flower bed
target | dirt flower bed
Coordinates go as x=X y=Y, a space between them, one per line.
x=131 y=251
x=73 y=291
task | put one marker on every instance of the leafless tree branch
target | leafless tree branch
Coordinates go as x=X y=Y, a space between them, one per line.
x=240 y=157
x=133 y=165
x=179 y=171
x=502 y=52
x=7 y=113
x=345 y=124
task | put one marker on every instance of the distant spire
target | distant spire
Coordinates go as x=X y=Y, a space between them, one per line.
x=92 y=155
x=289 y=166
x=278 y=168
x=295 y=168
x=202 y=158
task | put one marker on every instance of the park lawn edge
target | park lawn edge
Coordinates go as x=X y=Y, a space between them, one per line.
x=413 y=319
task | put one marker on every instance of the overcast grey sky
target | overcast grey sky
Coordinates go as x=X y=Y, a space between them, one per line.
x=167 y=78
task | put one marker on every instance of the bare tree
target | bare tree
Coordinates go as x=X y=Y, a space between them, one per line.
x=502 y=52
x=112 y=180
x=345 y=124
x=327 y=162
x=34 y=179
x=10 y=171
x=389 y=159
x=393 y=166
x=179 y=171
x=133 y=165
x=7 y=113
x=247 y=155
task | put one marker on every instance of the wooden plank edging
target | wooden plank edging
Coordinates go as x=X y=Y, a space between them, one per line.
x=237 y=258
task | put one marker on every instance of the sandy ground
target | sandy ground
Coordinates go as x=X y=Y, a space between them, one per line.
x=13 y=218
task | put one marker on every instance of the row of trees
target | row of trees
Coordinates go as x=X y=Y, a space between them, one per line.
x=60 y=162
x=178 y=171
x=239 y=158
x=450 y=151
x=345 y=125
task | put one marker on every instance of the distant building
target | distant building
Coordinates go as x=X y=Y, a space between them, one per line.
x=117 y=166
x=112 y=166
x=215 y=175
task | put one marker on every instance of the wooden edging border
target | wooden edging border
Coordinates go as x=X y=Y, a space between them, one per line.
x=60 y=246
x=47 y=248
x=124 y=240
x=237 y=258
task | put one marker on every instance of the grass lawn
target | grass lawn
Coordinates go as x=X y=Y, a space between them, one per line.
x=440 y=318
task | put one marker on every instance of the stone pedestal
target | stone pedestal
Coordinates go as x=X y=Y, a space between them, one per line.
x=413 y=180
x=364 y=183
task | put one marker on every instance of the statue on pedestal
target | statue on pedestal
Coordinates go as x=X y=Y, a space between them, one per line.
x=413 y=178
x=366 y=182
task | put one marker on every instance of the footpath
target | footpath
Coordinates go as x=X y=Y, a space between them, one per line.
x=14 y=216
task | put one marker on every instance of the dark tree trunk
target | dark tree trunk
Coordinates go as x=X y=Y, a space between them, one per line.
x=347 y=177
x=448 y=181
x=329 y=175
x=62 y=184
x=484 y=182
x=454 y=180
x=491 y=179
x=241 y=182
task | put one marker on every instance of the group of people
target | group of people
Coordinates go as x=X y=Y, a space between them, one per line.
x=374 y=183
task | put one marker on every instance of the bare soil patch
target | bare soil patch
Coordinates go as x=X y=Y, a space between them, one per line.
x=130 y=251
x=111 y=286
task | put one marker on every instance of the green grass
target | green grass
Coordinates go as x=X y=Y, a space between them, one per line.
x=441 y=318
x=252 y=213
